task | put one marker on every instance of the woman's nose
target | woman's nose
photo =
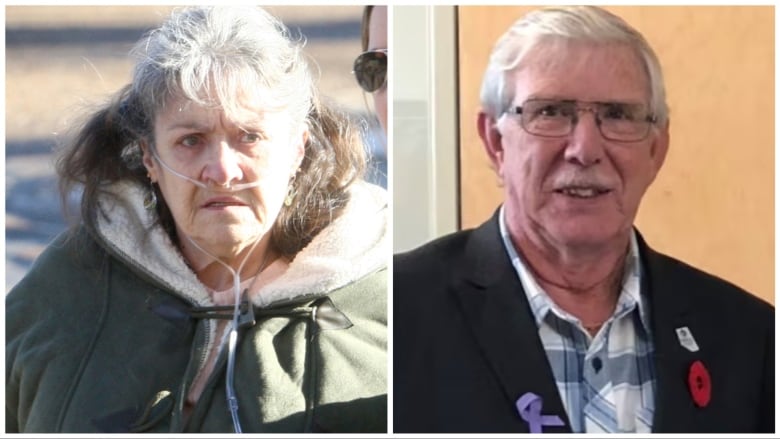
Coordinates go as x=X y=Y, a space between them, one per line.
x=223 y=167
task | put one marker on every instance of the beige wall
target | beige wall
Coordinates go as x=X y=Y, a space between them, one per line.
x=713 y=202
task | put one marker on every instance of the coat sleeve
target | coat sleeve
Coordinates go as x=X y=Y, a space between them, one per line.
x=11 y=397
x=17 y=319
x=47 y=335
x=27 y=319
x=19 y=305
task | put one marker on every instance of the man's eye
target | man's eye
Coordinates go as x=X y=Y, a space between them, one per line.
x=550 y=110
x=620 y=112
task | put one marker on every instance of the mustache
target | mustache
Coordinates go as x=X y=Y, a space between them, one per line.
x=582 y=181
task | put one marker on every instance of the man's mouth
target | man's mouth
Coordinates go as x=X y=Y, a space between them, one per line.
x=582 y=192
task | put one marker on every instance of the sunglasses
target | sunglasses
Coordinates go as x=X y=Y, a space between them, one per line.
x=370 y=69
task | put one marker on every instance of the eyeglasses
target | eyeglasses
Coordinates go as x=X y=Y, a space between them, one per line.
x=618 y=121
x=370 y=69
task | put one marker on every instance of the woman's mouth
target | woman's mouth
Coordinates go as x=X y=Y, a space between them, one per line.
x=220 y=203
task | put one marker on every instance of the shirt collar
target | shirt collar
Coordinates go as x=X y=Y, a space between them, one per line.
x=541 y=303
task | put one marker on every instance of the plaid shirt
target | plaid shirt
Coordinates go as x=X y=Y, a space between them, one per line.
x=606 y=382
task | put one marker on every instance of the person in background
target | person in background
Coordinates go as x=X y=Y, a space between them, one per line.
x=228 y=269
x=370 y=67
x=555 y=315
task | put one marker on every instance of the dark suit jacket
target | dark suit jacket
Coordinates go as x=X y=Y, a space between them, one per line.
x=466 y=345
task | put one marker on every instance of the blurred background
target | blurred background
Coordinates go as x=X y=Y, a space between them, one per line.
x=63 y=62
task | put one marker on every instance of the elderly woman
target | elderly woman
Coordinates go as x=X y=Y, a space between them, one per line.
x=228 y=269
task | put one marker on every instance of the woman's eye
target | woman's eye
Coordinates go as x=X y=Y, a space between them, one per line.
x=190 y=141
x=251 y=138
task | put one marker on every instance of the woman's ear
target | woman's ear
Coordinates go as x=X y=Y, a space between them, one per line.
x=148 y=160
x=300 y=150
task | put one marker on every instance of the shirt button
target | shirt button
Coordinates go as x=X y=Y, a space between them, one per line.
x=596 y=363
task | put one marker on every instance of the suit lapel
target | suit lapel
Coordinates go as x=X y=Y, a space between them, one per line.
x=671 y=309
x=491 y=298
x=496 y=309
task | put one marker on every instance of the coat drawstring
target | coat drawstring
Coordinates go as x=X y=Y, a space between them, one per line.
x=321 y=315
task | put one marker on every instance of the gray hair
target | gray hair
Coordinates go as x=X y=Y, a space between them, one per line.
x=581 y=23
x=208 y=54
x=214 y=56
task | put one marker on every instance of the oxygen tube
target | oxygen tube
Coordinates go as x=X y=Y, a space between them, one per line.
x=200 y=184
x=232 y=400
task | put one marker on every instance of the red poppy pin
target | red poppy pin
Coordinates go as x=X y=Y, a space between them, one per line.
x=699 y=384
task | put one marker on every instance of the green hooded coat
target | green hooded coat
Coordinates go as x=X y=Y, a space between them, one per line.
x=104 y=334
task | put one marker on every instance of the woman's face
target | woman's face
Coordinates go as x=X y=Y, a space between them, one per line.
x=205 y=145
x=377 y=39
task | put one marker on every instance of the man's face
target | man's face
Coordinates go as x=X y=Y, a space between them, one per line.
x=579 y=190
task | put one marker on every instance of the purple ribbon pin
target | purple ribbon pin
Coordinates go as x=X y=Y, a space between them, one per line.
x=530 y=408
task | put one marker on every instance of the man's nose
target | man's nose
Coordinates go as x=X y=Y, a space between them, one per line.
x=586 y=143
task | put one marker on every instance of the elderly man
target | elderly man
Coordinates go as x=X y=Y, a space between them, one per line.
x=555 y=315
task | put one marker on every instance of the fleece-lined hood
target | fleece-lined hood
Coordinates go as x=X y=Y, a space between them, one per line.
x=106 y=333
x=352 y=246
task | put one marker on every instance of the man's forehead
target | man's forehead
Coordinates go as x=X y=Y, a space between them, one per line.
x=581 y=70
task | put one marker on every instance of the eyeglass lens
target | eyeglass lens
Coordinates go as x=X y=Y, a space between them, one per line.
x=371 y=70
x=616 y=120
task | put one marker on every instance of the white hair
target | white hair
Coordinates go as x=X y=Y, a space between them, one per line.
x=580 y=23
x=211 y=55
